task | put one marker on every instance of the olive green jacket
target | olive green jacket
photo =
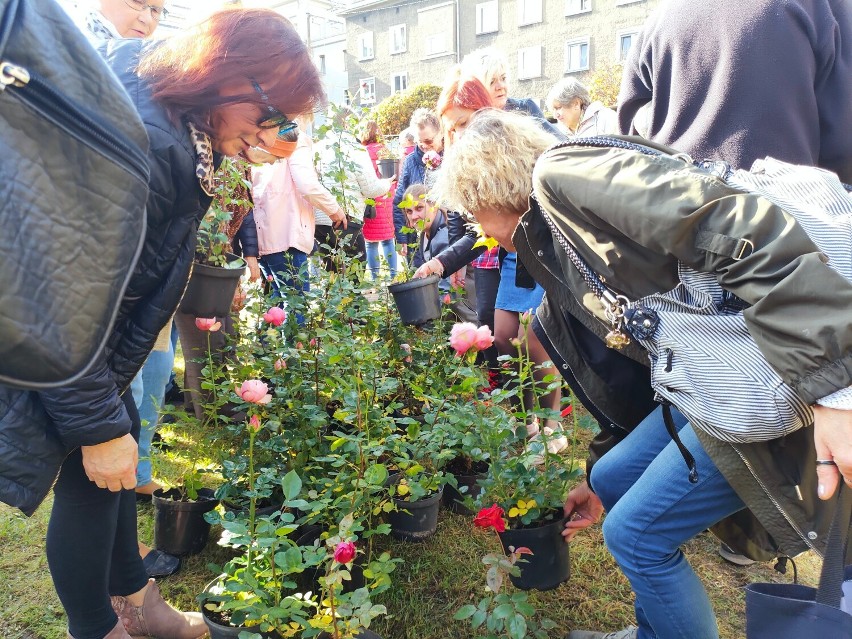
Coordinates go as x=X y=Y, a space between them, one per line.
x=632 y=217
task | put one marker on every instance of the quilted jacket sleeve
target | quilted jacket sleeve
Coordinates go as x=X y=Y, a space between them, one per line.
x=89 y=411
x=245 y=239
x=659 y=211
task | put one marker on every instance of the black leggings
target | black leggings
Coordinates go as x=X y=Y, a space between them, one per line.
x=91 y=545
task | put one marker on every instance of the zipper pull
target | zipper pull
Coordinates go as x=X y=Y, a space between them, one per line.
x=12 y=74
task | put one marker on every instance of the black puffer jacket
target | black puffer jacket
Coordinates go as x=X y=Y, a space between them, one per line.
x=37 y=429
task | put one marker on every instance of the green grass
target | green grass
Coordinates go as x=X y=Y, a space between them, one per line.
x=436 y=578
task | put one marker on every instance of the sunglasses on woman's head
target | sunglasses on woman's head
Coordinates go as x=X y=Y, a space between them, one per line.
x=274 y=119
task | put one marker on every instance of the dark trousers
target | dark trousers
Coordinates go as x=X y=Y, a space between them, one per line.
x=487 y=282
x=327 y=236
x=92 y=546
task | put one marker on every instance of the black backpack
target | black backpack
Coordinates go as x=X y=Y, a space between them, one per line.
x=73 y=187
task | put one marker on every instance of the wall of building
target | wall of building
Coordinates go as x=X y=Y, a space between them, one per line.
x=551 y=24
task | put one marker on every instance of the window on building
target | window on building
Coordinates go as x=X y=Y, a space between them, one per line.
x=396 y=37
x=399 y=82
x=529 y=62
x=321 y=63
x=368 y=90
x=436 y=44
x=624 y=42
x=364 y=46
x=573 y=7
x=486 y=17
x=577 y=55
x=529 y=12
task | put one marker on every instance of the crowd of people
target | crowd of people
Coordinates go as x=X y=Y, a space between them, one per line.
x=242 y=85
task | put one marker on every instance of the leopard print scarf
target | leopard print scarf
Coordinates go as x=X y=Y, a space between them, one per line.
x=204 y=168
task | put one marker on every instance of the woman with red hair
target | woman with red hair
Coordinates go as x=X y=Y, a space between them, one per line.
x=460 y=99
x=227 y=85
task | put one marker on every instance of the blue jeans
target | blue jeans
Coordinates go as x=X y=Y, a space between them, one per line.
x=385 y=248
x=149 y=390
x=286 y=269
x=652 y=509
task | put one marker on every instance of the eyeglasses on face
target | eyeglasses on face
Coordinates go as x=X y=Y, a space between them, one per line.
x=158 y=13
x=274 y=119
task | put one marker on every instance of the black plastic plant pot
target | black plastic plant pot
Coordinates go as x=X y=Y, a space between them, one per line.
x=309 y=579
x=415 y=520
x=179 y=526
x=549 y=564
x=387 y=167
x=417 y=300
x=454 y=499
x=210 y=291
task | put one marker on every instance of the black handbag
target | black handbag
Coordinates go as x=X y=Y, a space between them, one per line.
x=793 y=611
x=73 y=187
x=369 y=211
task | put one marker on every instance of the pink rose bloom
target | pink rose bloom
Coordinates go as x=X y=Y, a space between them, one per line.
x=432 y=160
x=280 y=364
x=275 y=316
x=463 y=337
x=254 y=423
x=313 y=342
x=484 y=338
x=207 y=324
x=254 y=391
x=344 y=552
x=448 y=299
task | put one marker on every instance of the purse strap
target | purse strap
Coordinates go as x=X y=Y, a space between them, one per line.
x=830 y=589
x=10 y=13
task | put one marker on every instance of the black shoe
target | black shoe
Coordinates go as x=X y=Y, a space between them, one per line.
x=160 y=564
x=174 y=395
x=160 y=443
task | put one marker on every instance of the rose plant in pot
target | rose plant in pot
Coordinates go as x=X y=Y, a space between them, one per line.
x=216 y=271
x=256 y=593
x=528 y=481
x=181 y=526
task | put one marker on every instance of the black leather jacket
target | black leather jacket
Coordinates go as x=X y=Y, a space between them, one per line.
x=37 y=429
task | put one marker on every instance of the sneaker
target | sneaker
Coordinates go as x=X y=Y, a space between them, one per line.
x=631 y=632
x=730 y=555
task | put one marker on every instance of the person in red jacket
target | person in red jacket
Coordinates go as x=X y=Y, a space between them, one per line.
x=379 y=231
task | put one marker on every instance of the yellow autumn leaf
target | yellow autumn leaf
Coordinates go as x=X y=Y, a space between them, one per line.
x=483 y=239
x=402 y=489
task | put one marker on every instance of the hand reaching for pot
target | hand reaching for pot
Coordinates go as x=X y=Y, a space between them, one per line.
x=582 y=508
x=432 y=267
x=833 y=442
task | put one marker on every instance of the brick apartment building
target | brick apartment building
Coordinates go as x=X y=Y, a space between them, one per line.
x=393 y=45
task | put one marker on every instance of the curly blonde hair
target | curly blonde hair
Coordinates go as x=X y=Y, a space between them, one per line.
x=491 y=166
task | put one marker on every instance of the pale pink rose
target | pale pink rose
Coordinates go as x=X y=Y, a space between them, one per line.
x=447 y=299
x=254 y=423
x=280 y=364
x=275 y=316
x=207 y=324
x=299 y=346
x=254 y=391
x=463 y=337
x=313 y=342
x=484 y=338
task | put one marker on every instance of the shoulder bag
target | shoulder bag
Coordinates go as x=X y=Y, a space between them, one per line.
x=73 y=187
x=703 y=359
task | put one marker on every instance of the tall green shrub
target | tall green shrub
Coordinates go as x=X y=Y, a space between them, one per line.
x=394 y=113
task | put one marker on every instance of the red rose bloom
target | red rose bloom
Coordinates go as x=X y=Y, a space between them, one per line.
x=490 y=518
x=344 y=552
